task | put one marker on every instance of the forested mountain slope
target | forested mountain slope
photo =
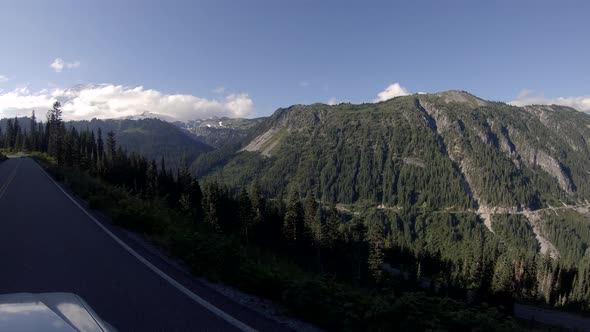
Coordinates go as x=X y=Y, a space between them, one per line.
x=443 y=193
x=442 y=150
x=152 y=138
x=218 y=132
x=448 y=152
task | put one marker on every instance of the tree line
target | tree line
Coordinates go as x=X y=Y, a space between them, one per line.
x=412 y=249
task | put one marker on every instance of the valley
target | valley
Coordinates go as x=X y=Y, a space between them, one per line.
x=459 y=196
x=295 y=166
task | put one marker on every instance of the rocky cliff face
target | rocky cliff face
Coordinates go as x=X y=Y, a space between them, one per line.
x=293 y=120
x=539 y=158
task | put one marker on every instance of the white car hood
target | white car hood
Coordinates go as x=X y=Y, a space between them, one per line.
x=57 y=312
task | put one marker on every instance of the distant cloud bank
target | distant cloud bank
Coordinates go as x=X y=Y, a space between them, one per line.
x=393 y=90
x=113 y=101
x=528 y=97
x=59 y=64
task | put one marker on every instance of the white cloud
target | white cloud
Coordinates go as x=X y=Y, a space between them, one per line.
x=219 y=90
x=113 y=101
x=528 y=97
x=304 y=84
x=59 y=64
x=4 y=79
x=393 y=90
x=332 y=101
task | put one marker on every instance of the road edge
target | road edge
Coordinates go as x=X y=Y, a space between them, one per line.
x=199 y=300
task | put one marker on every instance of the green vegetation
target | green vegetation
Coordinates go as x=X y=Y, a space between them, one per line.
x=415 y=168
x=362 y=217
x=517 y=232
x=152 y=138
x=570 y=232
x=308 y=257
x=220 y=249
x=422 y=151
x=355 y=155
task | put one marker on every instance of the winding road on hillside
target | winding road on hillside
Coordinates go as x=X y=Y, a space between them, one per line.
x=50 y=243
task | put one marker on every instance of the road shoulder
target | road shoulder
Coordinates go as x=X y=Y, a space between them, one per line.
x=253 y=311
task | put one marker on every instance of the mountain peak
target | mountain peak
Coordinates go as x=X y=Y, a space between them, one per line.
x=460 y=96
x=149 y=115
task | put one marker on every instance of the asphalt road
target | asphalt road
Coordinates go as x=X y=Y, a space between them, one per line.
x=552 y=317
x=48 y=244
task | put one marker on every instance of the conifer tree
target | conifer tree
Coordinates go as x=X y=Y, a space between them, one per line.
x=212 y=205
x=55 y=132
x=9 y=135
x=246 y=214
x=111 y=146
x=293 y=225
x=330 y=232
x=99 y=147
x=376 y=240
x=503 y=276
x=258 y=203
x=151 y=180
x=33 y=145
x=196 y=200
x=312 y=220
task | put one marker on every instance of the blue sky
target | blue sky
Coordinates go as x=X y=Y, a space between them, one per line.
x=247 y=58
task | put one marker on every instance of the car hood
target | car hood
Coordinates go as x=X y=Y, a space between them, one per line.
x=58 y=312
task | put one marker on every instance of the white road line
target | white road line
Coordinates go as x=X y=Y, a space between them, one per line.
x=10 y=177
x=220 y=313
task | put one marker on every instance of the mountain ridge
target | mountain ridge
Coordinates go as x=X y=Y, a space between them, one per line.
x=445 y=151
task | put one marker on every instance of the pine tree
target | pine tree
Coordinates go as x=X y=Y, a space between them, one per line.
x=41 y=137
x=212 y=205
x=99 y=148
x=545 y=278
x=503 y=279
x=91 y=149
x=32 y=144
x=18 y=141
x=55 y=132
x=17 y=138
x=184 y=177
x=330 y=230
x=68 y=148
x=111 y=146
x=358 y=243
x=258 y=203
x=312 y=220
x=293 y=227
x=163 y=177
x=151 y=180
x=376 y=241
x=9 y=135
x=246 y=214
x=196 y=199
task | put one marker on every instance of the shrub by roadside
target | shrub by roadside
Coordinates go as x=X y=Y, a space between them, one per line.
x=316 y=298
